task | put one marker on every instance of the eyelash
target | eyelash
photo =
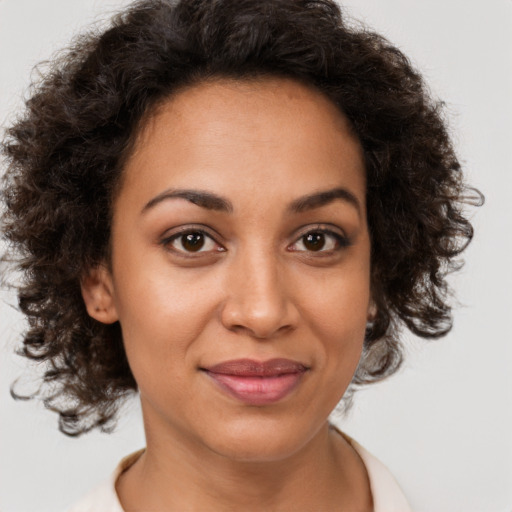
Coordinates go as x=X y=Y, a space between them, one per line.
x=168 y=241
x=339 y=241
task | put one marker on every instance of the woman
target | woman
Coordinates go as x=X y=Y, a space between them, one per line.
x=231 y=207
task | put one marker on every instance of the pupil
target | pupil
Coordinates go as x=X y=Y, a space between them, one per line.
x=314 y=241
x=193 y=241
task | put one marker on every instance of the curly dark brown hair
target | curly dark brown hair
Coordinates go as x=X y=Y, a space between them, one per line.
x=66 y=153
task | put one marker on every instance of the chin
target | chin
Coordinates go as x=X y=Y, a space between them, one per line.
x=269 y=440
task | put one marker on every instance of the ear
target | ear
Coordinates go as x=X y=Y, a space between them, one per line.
x=98 y=294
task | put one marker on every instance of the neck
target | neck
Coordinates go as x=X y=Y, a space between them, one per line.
x=325 y=474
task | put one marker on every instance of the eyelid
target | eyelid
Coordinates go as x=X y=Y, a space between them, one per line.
x=326 y=229
x=175 y=233
x=335 y=232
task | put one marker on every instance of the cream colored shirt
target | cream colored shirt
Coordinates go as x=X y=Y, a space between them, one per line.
x=387 y=495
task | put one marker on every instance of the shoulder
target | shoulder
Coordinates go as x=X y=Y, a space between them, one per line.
x=386 y=493
x=103 y=498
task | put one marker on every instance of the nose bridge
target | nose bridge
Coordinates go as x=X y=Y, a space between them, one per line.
x=263 y=286
x=257 y=299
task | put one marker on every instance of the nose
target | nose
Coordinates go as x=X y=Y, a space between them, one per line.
x=258 y=301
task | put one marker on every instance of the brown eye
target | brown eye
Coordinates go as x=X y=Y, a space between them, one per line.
x=192 y=242
x=321 y=241
x=314 y=241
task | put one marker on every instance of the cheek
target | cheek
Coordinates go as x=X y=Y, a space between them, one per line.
x=161 y=317
x=336 y=310
x=338 y=299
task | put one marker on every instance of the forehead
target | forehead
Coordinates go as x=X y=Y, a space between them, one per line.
x=221 y=104
x=272 y=132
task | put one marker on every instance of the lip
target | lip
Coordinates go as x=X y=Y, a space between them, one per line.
x=257 y=382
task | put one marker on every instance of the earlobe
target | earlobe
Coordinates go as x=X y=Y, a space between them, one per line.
x=98 y=294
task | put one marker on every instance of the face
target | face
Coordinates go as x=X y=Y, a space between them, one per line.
x=240 y=266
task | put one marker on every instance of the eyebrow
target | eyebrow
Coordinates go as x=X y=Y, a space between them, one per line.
x=323 y=198
x=201 y=198
x=211 y=201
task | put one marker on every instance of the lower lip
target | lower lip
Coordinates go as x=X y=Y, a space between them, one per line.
x=257 y=390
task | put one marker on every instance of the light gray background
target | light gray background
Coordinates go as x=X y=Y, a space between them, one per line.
x=444 y=424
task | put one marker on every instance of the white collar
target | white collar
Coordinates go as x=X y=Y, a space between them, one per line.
x=386 y=493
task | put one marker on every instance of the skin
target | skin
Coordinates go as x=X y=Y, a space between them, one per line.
x=254 y=290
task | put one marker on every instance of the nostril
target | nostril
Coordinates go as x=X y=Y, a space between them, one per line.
x=260 y=327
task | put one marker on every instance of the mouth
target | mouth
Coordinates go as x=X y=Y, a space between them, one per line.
x=257 y=382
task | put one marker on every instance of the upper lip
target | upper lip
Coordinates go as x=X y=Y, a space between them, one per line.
x=253 y=368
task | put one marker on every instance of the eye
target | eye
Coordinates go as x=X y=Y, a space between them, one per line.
x=320 y=241
x=192 y=241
